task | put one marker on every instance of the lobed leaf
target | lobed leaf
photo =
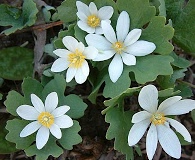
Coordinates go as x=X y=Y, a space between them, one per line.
x=120 y=124
x=18 y=19
x=138 y=17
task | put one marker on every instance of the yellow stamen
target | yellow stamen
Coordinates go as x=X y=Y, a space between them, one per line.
x=93 y=21
x=76 y=59
x=118 y=47
x=158 y=118
x=46 y=119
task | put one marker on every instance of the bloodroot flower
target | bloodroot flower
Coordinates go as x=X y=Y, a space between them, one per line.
x=159 y=129
x=123 y=45
x=74 y=59
x=46 y=118
x=91 y=18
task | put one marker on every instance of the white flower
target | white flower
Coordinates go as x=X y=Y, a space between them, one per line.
x=159 y=129
x=90 y=17
x=46 y=118
x=74 y=59
x=124 y=45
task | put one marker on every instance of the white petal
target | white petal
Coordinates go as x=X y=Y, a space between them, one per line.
x=141 y=48
x=105 y=12
x=115 y=68
x=168 y=102
x=55 y=131
x=98 y=30
x=140 y=116
x=137 y=131
x=101 y=56
x=92 y=8
x=82 y=16
x=132 y=37
x=59 y=111
x=85 y=68
x=80 y=77
x=80 y=47
x=148 y=98
x=90 y=52
x=42 y=137
x=128 y=59
x=63 y=53
x=98 y=41
x=169 y=141
x=27 y=112
x=70 y=43
x=60 y=65
x=180 y=107
x=51 y=102
x=122 y=27
x=70 y=74
x=84 y=26
x=37 y=103
x=82 y=7
x=108 y=32
x=30 y=129
x=180 y=128
x=151 y=141
x=64 y=121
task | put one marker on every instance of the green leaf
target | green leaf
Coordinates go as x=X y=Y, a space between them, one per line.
x=13 y=101
x=57 y=85
x=76 y=104
x=113 y=89
x=6 y=147
x=139 y=17
x=16 y=63
x=169 y=92
x=120 y=124
x=67 y=11
x=162 y=8
x=186 y=91
x=51 y=148
x=28 y=89
x=114 y=101
x=17 y=18
x=80 y=34
x=14 y=127
x=70 y=32
x=149 y=67
x=183 y=22
x=160 y=34
x=70 y=136
x=179 y=62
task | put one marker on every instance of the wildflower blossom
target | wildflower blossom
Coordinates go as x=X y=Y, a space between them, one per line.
x=46 y=118
x=159 y=129
x=91 y=18
x=123 y=45
x=74 y=59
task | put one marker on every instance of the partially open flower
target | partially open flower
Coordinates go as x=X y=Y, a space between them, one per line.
x=91 y=18
x=46 y=118
x=159 y=129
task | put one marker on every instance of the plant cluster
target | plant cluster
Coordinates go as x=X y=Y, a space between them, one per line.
x=121 y=49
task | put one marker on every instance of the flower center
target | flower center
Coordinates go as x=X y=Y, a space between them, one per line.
x=158 y=118
x=76 y=59
x=118 y=47
x=46 y=119
x=93 y=21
